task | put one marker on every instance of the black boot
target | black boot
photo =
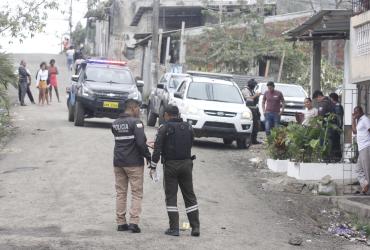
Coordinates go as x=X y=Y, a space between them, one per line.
x=172 y=232
x=123 y=227
x=173 y=219
x=194 y=222
x=134 y=228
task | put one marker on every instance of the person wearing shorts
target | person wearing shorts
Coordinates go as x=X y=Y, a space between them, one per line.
x=41 y=83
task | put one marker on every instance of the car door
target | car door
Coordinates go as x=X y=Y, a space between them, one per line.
x=180 y=96
x=159 y=93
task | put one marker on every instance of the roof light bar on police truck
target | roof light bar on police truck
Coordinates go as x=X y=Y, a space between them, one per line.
x=96 y=61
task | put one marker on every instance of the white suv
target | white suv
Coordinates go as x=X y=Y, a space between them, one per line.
x=215 y=108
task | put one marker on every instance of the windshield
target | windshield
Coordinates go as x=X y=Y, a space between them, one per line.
x=288 y=90
x=175 y=81
x=214 y=92
x=108 y=75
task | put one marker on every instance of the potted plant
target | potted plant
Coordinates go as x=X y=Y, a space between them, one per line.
x=278 y=150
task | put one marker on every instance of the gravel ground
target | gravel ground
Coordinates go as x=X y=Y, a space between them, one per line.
x=57 y=192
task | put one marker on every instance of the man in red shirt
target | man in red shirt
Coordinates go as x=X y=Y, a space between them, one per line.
x=272 y=106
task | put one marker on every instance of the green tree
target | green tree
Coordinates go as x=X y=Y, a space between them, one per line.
x=19 y=21
x=25 y=19
x=79 y=34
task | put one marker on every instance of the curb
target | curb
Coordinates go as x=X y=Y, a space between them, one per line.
x=352 y=207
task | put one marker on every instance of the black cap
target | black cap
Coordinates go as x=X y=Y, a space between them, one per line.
x=172 y=110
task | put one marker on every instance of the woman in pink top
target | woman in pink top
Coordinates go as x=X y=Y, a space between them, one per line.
x=53 y=72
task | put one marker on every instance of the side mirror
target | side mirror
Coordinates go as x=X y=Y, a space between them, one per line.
x=178 y=95
x=140 y=83
x=75 y=78
x=160 y=86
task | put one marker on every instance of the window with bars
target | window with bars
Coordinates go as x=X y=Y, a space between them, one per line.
x=360 y=6
x=363 y=39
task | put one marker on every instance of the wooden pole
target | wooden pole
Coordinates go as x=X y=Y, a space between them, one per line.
x=154 y=45
x=160 y=46
x=168 y=51
x=281 y=67
x=182 y=44
x=267 y=68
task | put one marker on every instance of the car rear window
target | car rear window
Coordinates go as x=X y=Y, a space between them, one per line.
x=214 y=92
x=109 y=75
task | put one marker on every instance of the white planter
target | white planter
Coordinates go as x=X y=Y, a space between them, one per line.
x=279 y=166
x=316 y=171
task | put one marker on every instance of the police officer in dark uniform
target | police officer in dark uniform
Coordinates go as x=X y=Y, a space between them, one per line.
x=251 y=99
x=130 y=150
x=173 y=145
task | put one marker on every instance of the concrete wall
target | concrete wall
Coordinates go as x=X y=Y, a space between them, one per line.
x=360 y=48
x=101 y=38
x=290 y=6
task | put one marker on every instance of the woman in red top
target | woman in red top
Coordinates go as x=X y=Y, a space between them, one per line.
x=53 y=72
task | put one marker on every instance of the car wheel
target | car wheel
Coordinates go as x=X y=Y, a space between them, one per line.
x=151 y=119
x=228 y=141
x=71 y=114
x=244 y=143
x=161 y=115
x=79 y=115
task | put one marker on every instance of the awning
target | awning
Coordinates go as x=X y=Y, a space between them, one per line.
x=324 y=25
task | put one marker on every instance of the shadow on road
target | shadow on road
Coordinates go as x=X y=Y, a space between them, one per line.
x=213 y=145
x=98 y=124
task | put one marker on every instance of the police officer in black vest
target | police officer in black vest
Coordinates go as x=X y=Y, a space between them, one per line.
x=173 y=145
x=251 y=98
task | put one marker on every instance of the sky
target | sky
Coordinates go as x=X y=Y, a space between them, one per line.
x=57 y=26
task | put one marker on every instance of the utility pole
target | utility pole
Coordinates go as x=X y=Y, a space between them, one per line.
x=70 y=22
x=154 y=45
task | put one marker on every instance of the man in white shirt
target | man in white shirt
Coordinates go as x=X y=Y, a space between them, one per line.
x=361 y=128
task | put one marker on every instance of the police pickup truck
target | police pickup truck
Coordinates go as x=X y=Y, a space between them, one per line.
x=100 y=90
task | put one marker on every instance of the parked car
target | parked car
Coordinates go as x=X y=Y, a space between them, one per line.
x=294 y=96
x=215 y=108
x=100 y=90
x=161 y=96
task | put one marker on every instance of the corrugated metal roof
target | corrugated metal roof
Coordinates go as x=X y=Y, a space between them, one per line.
x=325 y=25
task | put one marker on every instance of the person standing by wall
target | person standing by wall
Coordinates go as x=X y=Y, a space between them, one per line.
x=129 y=152
x=251 y=99
x=41 y=83
x=273 y=104
x=173 y=146
x=53 y=72
x=361 y=128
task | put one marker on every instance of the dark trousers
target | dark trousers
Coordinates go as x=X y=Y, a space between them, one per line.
x=256 y=123
x=179 y=174
x=23 y=89
x=336 y=149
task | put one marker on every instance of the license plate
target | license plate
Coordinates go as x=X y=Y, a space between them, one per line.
x=112 y=105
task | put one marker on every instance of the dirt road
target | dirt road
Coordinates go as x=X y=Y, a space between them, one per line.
x=57 y=191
